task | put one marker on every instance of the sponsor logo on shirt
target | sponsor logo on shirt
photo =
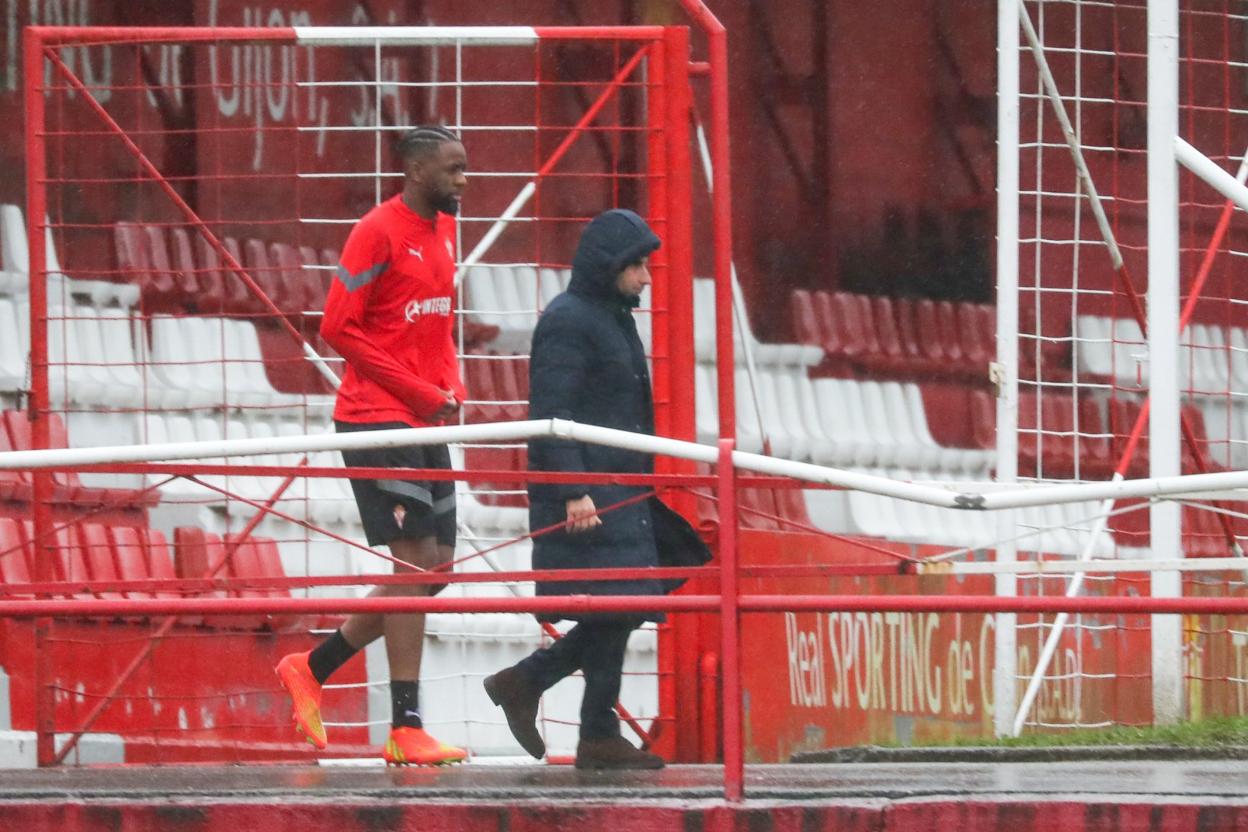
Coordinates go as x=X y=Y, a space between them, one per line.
x=428 y=306
x=418 y=253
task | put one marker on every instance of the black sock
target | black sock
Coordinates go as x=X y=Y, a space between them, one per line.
x=329 y=655
x=405 y=704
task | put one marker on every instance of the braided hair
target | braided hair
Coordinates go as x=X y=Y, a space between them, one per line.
x=419 y=142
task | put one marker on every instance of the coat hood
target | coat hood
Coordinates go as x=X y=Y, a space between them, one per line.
x=611 y=241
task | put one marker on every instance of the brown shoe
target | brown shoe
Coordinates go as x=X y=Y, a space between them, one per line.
x=614 y=753
x=518 y=697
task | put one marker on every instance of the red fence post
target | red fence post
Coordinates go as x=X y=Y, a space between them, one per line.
x=730 y=626
x=36 y=211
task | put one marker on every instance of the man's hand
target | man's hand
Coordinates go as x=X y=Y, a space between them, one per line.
x=581 y=515
x=448 y=409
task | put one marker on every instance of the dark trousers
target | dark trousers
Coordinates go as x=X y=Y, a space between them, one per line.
x=597 y=650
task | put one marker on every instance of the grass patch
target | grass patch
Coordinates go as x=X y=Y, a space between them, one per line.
x=1207 y=733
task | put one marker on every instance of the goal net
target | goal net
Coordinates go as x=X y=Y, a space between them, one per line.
x=1092 y=283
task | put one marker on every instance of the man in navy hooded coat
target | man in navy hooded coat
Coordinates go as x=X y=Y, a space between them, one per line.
x=588 y=365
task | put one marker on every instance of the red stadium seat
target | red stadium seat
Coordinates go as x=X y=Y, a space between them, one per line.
x=97 y=553
x=159 y=561
x=267 y=276
x=70 y=563
x=186 y=279
x=521 y=373
x=213 y=286
x=235 y=297
x=15 y=565
x=131 y=556
x=890 y=355
x=757 y=509
x=975 y=343
x=928 y=334
x=134 y=263
x=317 y=279
x=945 y=409
x=199 y=554
x=148 y=551
x=845 y=321
x=258 y=557
x=1130 y=528
x=295 y=287
x=14 y=485
x=1123 y=414
x=983 y=420
x=66 y=486
x=1029 y=422
x=804 y=319
x=1203 y=536
x=987 y=316
x=913 y=348
x=286 y=365
x=833 y=337
x=792 y=506
x=1057 y=412
x=1095 y=460
x=1196 y=420
x=947 y=326
x=865 y=312
x=161 y=286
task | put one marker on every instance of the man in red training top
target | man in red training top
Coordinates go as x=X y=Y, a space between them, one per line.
x=389 y=314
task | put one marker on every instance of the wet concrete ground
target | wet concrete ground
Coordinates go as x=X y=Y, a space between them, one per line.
x=1129 y=782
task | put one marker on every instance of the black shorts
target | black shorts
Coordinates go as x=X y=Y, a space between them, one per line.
x=428 y=506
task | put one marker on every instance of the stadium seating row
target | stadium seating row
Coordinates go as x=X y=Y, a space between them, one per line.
x=178 y=276
x=102 y=356
x=896 y=337
x=15 y=277
x=764 y=354
x=831 y=421
x=1203 y=533
x=16 y=434
x=1061 y=437
x=1066 y=528
x=93 y=552
x=1212 y=359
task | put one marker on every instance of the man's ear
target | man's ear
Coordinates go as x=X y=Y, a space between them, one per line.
x=415 y=169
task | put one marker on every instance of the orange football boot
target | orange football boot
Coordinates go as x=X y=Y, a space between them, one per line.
x=305 y=696
x=414 y=746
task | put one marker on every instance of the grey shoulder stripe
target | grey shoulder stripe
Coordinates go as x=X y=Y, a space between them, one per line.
x=355 y=281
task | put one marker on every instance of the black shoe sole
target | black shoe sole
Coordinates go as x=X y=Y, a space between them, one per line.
x=616 y=767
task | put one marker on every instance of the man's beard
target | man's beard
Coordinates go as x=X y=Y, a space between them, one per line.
x=446 y=203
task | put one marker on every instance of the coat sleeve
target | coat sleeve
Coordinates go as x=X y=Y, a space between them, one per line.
x=365 y=259
x=558 y=374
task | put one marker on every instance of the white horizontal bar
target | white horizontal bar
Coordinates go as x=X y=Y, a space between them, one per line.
x=1121 y=490
x=415 y=35
x=420 y=84
x=476 y=174
x=1014 y=497
x=1221 y=181
x=1063 y=567
x=402 y=128
x=71 y=457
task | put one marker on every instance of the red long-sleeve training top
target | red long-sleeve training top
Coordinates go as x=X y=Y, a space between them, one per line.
x=390 y=314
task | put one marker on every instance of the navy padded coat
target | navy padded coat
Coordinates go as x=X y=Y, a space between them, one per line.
x=588 y=365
